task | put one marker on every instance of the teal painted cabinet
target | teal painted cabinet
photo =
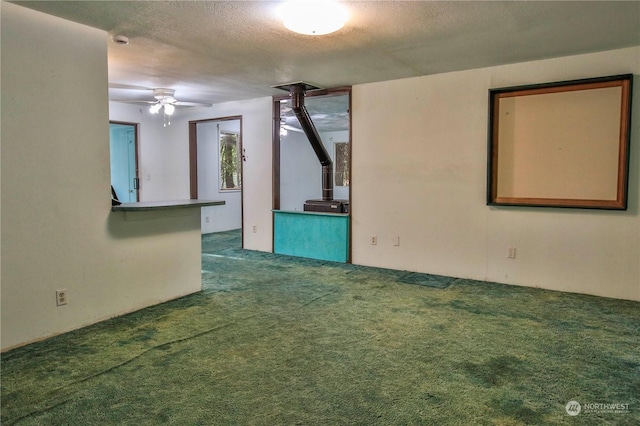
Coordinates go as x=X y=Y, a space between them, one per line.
x=322 y=236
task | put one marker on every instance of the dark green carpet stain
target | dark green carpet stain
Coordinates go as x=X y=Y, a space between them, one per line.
x=517 y=409
x=277 y=340
x=427 y=280
x=496 y=371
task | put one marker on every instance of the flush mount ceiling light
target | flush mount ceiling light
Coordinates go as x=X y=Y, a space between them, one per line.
x=313 y=17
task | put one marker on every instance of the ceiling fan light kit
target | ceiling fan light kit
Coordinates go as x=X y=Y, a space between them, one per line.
x=169 y=109
x=313 y=17
x=164 y=99
x=165 y=102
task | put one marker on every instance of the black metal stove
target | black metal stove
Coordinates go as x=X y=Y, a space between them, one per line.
x=327 y=206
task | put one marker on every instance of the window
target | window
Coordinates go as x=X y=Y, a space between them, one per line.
x=342 y=164
x=230 y=178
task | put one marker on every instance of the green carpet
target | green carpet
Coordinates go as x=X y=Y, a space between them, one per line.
x=276 y=340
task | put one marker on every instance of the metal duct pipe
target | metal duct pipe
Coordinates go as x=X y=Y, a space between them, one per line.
x=297 y=100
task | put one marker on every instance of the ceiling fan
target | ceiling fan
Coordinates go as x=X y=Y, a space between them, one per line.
x=164 y=99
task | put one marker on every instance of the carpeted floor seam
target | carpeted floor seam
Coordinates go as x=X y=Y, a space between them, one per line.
x=317 y=298
x=38 y=412
x=122 y=364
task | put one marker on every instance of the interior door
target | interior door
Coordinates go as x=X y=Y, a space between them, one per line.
x=124 y=161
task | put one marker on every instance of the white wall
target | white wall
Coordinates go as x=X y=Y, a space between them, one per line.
x=419 y=172
x=57 y=228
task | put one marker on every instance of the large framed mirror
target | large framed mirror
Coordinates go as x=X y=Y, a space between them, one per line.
x=563 y=144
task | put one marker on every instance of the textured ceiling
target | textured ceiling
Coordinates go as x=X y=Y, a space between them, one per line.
x=216 y=51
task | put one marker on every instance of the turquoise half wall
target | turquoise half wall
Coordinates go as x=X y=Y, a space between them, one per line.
x=323 y=236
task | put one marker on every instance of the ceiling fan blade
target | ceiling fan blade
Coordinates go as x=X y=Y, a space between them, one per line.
x=127 y=86
x=191 y=104
x=133 y=101
x=163 y=96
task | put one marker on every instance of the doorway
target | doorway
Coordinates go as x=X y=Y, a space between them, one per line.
x=304 y=224
x=215 y=148
x=123 y=148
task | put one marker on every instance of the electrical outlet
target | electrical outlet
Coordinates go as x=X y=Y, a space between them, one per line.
x=396 y=241
x=374 y=240
x=254 y=228
x=61 y=297
x=206 y=219
x=511 y=253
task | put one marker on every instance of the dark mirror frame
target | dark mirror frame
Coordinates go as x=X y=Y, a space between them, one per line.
x=551 y=163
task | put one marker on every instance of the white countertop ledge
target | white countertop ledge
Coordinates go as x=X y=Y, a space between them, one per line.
x=164 y=205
